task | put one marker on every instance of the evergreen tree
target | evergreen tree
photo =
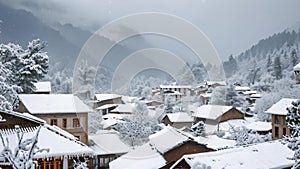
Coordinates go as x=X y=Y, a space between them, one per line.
x=169 y=104
x=199 y=130
x=294 y=58
x=293 y=122
x=277 y=68
x=85 y=85
x=269 y=64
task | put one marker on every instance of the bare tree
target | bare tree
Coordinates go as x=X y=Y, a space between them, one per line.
x=22 y=155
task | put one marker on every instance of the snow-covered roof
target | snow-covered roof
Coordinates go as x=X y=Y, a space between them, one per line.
x=60 y=143
x=250 y=92
x=242 y=88
x=53 y=103
x=103 y=97
x=106 y=106
x=216 y=143
x=128 y=99
x=171 y=93
x=211 y=111
x=280 y=108
x=110 y=122
x=43 y=86
x=123 y=108
x=208 y=95
x=26 y=116
x=167 y=139
x=261 y=155
x=297 y=67
x=223 y=83
x=144 y=156
x=108 y=143
x=257 y=95
x=180 y=117
x=175 y=86
x=260 y=126
x=112 y=116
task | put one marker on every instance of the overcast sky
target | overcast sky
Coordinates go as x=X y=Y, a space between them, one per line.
x=232 y=25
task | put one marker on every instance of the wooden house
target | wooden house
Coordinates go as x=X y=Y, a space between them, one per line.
x=163 y=150
x=279 y=112
x=214 y=114
x=260 y=155
x=62 y=146
x=107 y=99
x=214 y=84
x=107 y=147
x=63 y=110
x=178 y=120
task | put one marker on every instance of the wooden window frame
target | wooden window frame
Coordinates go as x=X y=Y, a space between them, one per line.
x=64 y=123
x=53 y=122
x=76 y=123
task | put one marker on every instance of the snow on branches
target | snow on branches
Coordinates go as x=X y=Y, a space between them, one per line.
x=20 y=69
x=293 y=122
x=21 y=157
x=138 y=126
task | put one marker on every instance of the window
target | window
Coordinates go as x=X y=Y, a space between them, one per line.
x=76 y=123
x=276 y=119
x=276 y=132
x=53 y=122
x=64 y=123
x=284 y=131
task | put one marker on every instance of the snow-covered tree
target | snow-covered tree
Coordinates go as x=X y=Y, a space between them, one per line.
x=244 y=136
x=199 y=130
x=293 y=122
x=22 y=156
x=226 y=95
x=137 y=127
x=94 y=119
x=185 y=76
x=277 y=68
x=78 y=164
x=169 y=104
x=84 y=87
x=19 y=70
x=26 y=66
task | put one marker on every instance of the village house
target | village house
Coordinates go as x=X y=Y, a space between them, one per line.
x=261 y=155
x=178 y=120
x=107 y=99
x=214 y=84
x=212 y=115
x=63 y=110
x=42 y=87
x=107 y=147
x=205 y=98
x=297 y=72
x=164 y=149
x=183 y=89
x=62 y=146
x=279 y=112
x=241 y=89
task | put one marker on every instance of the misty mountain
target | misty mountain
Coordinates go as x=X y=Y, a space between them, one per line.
x=20 y=27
